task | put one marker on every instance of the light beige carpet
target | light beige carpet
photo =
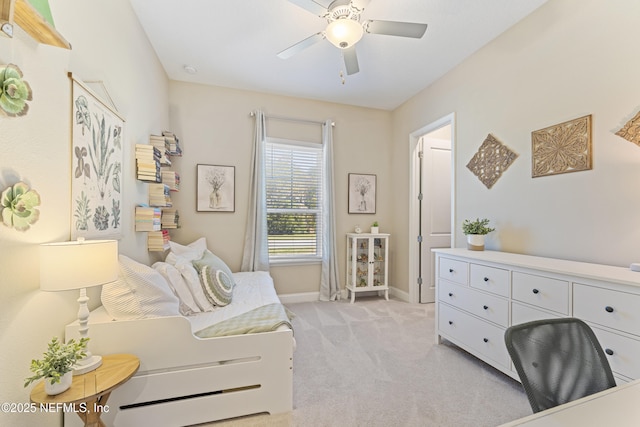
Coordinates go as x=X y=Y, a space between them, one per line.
x=375 y=363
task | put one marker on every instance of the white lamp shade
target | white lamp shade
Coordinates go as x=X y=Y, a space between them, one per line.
x=344 y=33
x=78 y=264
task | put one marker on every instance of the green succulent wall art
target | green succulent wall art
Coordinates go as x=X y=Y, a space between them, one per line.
x=14 y=92
x=18 y=204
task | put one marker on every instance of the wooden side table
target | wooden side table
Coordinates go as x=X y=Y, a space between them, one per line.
x=89 y=392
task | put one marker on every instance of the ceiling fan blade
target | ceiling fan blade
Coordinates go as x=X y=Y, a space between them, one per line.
x=350 y=60
x=360 y=4
x=311 y=6
x=300 y=46
x=394 y=28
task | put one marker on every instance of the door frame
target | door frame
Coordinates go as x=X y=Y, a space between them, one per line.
x=414 y=137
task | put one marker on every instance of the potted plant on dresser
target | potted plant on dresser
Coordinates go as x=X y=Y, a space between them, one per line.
x=56 y=366
x=475 y=232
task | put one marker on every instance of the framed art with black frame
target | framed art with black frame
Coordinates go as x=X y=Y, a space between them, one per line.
x=215 y=190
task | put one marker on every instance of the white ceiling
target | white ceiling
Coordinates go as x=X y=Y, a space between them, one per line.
x=233 y=43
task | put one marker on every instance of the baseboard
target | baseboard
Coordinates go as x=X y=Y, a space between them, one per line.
x=401 y=295
x=315 y=296
x=299 y=297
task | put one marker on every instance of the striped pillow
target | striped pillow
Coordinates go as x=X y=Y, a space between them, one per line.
x=139 y=292
x=215 y=278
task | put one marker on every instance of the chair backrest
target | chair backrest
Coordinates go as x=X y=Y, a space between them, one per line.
x=558 y=360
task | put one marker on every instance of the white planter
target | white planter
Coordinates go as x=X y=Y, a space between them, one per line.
x=57 y=388
x=374 y=230
x=475 y=242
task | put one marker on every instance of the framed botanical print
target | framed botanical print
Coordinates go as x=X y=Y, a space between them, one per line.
x=97 y=133
x=215 y=190
x=362 y=193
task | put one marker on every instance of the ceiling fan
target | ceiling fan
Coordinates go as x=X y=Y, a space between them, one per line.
x=345 y=29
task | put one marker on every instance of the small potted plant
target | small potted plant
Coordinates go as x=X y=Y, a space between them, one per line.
x=56 y=366
x=374 y=228
x=475 y=231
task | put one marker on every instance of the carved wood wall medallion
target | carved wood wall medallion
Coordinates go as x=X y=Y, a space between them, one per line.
x=631 y=130
x=491 y=160
x=562 y=148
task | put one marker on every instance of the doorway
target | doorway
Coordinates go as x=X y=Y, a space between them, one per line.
x=431 y=203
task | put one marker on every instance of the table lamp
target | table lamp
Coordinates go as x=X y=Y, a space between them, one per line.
x=78 y=265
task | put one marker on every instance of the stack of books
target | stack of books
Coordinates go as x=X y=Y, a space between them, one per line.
x=173 y=143
x=158 y=240
x=160 y=143
x=148 y=163
x=148 y=218
x=170 y=218
x=172 y=179
x=159 y=195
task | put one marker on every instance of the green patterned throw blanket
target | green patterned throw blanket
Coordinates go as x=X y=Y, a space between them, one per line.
x=262 y=319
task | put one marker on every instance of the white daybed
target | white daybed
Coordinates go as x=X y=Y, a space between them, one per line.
x=184 y=379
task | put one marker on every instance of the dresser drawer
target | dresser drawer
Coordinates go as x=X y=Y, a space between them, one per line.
x=477 y=334
x=524 y=313
x=485 y=306
x=544 y=292
x=615 y=309
x=490 y=279
x=454 y=270
x=622 y=353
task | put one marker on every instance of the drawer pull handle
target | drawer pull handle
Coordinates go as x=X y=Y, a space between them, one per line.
x=608 y=309
x=485 y=339
x=535 y=291
x=450 y=294
x=609 y=352
x=486 y=307
x=451 y=270
x=451 y=322
x=486 y=279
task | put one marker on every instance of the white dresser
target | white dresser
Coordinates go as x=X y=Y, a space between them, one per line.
x=481 y=293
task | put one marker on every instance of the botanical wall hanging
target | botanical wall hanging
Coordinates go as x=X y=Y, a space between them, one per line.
x=362 y=193
x=14 y=91
x=215 y=188
x=18 y=205
x=491 y=160
x=562 y=148
x=631 y=130
x=96 y=172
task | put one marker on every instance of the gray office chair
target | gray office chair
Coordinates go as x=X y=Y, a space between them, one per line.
x=558 y=360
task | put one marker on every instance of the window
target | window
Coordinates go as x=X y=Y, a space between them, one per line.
x=294 y=199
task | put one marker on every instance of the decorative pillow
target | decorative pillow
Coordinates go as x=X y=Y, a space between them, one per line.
x=139 y=292
x=190 y=276
x=179 y=287
x=192 y=251
x=216 y=279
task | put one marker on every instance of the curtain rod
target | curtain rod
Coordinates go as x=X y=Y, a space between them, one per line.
x=288 y=119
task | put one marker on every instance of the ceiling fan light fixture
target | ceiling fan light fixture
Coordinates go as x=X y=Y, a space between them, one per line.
x=344 y=33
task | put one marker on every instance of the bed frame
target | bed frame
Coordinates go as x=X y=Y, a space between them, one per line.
x=186 y=380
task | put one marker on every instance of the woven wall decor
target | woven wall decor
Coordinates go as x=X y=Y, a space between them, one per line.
x=491 y=160
x=631 y=130
x=562 y=148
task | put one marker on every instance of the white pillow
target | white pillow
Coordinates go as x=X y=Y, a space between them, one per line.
x=192 y=251
x=139 y=292
x=179 y=287
x=190 y=276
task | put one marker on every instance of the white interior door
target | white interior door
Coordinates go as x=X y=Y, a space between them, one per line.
x=435 y=205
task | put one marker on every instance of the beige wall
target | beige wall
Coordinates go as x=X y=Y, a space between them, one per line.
x=215 y=128
x=108 y=44
x=566 y=60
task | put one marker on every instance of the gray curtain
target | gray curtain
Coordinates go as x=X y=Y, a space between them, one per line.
x=329 y=283
x=255 y=256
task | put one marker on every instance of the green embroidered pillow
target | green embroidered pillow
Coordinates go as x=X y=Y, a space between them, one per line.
x=215 y=278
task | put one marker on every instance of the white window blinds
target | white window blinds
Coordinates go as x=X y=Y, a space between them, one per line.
x=294 y=199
